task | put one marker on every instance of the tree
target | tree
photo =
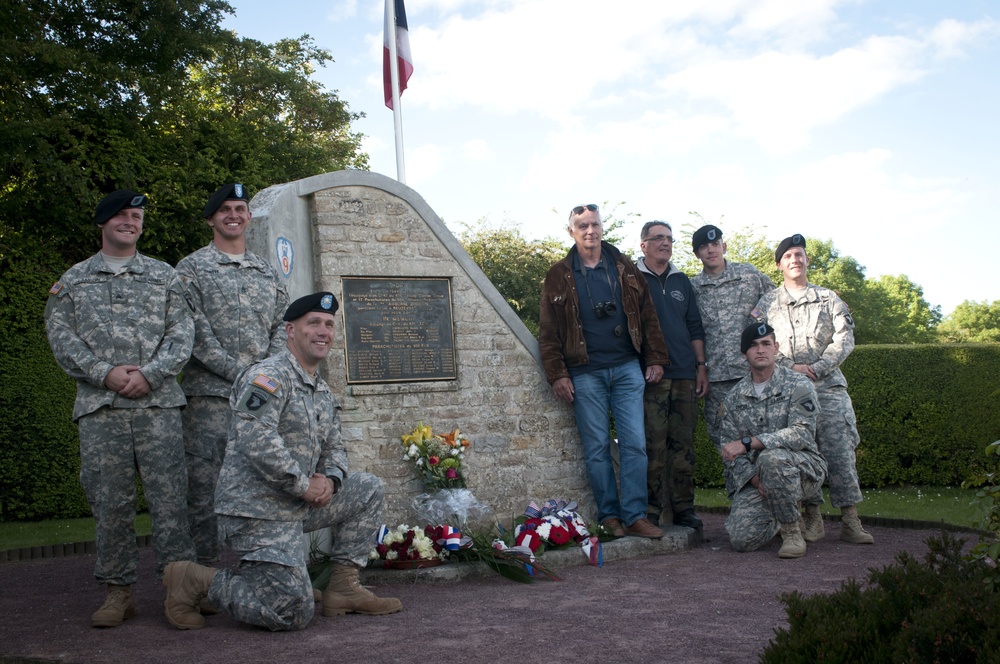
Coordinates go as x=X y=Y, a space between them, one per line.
x=972 y=322
x=515 y=265
x=151 y=95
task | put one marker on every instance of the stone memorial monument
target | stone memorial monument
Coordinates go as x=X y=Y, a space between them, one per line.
x=422 y=336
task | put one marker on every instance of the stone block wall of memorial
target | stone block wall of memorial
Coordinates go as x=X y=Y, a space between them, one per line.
x=524 y=442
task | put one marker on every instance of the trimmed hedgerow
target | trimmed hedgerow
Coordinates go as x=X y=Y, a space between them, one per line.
x=924 y=413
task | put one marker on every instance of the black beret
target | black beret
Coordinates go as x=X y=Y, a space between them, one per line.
x=704 y=235
x=786 y=244
x=752 y=333
x=227 y=192
x=322 y=301
x=117 y=201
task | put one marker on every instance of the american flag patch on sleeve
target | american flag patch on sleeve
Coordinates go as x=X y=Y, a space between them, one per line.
x=56 y=287
x=266 y=382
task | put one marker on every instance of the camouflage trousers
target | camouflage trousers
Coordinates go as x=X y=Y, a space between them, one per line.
x=837 y=439
x=786 y=476
x=270 y=587
x=206 y=432
x=713 y=400
x=114 y=444
x=671 y=411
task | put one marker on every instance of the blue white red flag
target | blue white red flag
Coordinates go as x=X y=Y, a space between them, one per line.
x=403 y=57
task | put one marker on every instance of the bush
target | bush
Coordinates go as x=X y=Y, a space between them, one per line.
x=938 y=610
x=40 y=454
x=924 y=414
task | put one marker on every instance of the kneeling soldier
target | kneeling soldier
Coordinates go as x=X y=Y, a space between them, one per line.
x=771 y=459
x=285 y=473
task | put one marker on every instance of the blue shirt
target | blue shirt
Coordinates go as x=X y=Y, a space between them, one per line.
x=599 y=285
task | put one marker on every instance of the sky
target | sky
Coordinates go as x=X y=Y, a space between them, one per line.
x=872 y=123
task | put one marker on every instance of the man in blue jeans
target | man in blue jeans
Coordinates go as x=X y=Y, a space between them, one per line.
x=597 y=322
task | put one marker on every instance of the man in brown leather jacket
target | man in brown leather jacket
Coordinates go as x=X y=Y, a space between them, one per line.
x=598 y=328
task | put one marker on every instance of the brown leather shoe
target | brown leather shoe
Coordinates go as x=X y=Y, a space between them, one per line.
x=643 y=528
x=614 y=526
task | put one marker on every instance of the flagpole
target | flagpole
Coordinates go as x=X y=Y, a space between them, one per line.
x=397 y=115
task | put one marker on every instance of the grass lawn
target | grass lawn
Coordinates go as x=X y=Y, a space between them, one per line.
x=949 y=504
x=23 y=534
x=952 y=505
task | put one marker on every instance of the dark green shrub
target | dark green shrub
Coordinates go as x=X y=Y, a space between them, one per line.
x=924 y=414
x=39 y=447
x=935 y=610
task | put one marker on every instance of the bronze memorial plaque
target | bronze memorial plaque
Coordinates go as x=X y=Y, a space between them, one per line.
x=398 y=329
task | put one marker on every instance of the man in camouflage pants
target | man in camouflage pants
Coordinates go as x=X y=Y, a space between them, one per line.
x=671 y=405
x=118 y=324
x=816 y=333
x=726 y=294
x=238 y=304
x=768 y=421
x=285 y=473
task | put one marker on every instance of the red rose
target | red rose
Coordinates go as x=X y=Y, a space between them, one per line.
x=451 y=473
x=433 y=460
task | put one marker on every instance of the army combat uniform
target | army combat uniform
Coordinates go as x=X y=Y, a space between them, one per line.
x=96 y=320
x=238 y=305
x=817 y=329
x=790 y=467
x=286 y=426
x=725 y=301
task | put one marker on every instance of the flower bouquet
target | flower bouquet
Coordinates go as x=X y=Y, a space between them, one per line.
x=556 y=525
x=438 y=458
x=407 y=547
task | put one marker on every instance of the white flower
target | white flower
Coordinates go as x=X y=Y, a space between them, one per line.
x=455 y=452
x=544 y=529
x=413 y=452
x=391 y=555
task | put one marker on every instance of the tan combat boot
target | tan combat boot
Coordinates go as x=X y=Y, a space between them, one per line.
x=792 y=544
x=187 y=584
x=117 y=607
x=813 y=530
x=851 y=529
x=345 y=595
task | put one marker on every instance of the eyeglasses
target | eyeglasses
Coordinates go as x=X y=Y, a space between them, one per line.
x=580 y=209
x=660 y=238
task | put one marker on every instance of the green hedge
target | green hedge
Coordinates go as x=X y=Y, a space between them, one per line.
x=925 y=414
x=39 y=447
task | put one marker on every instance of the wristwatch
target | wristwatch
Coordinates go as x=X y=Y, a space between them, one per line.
x=747 y=442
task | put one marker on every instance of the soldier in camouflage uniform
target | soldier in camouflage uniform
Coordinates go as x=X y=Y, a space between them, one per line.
x=816 y=333
x=768 y=421
x=285 y=473
x=118 y=324
x=671 y=405
x=238 y=304
x=726 y=294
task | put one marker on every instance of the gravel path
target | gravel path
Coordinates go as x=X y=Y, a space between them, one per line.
x=707 y=604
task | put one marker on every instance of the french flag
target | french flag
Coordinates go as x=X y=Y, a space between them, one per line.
x=405 y=60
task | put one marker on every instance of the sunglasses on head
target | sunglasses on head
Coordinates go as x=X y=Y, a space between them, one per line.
x=580 y=209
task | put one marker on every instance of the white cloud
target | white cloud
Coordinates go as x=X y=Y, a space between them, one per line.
x=951 y=37
x=477 y=150
x=423 y=163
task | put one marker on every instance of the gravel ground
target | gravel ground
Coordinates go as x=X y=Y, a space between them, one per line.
x=705 y=604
